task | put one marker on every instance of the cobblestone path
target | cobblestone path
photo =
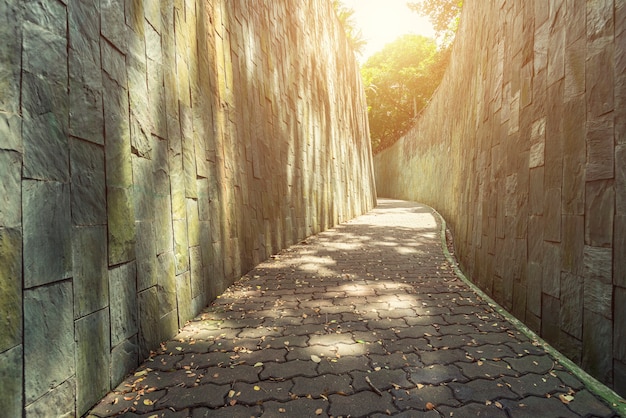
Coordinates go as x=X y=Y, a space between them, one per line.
x=366 y=319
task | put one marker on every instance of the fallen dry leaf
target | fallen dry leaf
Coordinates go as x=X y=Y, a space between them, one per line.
x=319 y=411
x=430 y=406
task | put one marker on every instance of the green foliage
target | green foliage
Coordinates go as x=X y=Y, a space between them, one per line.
x=443 y=15
x=399 y=80
x=346 y=18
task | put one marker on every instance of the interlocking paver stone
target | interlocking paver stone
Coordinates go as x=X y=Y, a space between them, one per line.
x=367 y=319
x=418 y=398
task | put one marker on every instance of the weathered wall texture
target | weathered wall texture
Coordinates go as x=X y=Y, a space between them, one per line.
x=523 y=150
x=151 y=153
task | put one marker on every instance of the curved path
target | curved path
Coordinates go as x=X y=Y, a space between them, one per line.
x=366 y=319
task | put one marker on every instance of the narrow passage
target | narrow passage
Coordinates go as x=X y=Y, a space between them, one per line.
x=366 y=319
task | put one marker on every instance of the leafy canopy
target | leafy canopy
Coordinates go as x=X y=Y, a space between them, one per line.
x=399 y=80
x=353 y=34
x=443 y=15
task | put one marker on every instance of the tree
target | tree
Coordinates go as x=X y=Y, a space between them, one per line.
x=346 y=18
x=443 y=15
x=399 y=80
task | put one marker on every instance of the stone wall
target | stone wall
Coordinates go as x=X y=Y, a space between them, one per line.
x=523 y=150
x=151 y=152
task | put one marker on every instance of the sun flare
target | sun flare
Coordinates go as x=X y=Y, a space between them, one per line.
x=382 y=21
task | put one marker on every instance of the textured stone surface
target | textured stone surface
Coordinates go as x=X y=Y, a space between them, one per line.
x=121 y=225
x=123 y=297
x=149 y=332
x=47 y=232
x=91 y=284
x=145 y=250
x=10 y=57
x=48 y=340
x=10 y=187
x=92 y=359
x=57 y=402
x=10 y=132
x=124 y=357
x=10 y=288
x=117 y=135
x=151 y=153
x=45 y=128
x=88 y=183
x=470 y=159
x=11 y=380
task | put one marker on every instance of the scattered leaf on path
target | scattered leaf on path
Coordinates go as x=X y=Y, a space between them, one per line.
x=315 y=358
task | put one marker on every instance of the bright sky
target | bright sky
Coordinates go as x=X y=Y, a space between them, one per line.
x=382 y=21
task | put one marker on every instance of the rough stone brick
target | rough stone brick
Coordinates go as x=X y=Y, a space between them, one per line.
x=600 y=79
x=10 y=56
x=10 y=132
x=181 y=245
x=574 y=157
x=600 y=149
x=92 y=359
x=572 y=247
x=48 y=340
x=89 y=255
x=121 y=225
x=598 y=263
x=45 y=127
x=193 y=222
x=143 y=188
x=551 y=269
x=10 y=187
x=117 y=135
x=197 y=269
x=571 y=314
x=598 y=296
x=619 y=251
x=183 y=298
x=619 y=316
x=145 y=250
x=550 y=318
x=56 y=402
x=124 y=358
x=575 y=66
x=123 y=297
x=88 y=183
x=84 y=37
x=597 y=346
x=44 y=45
x=47 y=232
x=166 y=283
x=10 y=288
x=11 y=380
x=149 y=332
x=620 y=179
x=86 y=119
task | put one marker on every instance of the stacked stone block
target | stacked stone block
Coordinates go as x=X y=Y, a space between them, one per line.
x=522 y=150
x=151 y=152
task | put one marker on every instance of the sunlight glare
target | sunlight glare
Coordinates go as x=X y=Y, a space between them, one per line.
x=382 y=21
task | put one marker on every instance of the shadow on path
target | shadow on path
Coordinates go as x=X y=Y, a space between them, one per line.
x=366 y=319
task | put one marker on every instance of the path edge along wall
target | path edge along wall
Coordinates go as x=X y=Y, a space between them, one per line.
x=523 y=151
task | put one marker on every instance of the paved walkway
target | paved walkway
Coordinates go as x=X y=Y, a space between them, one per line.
x=367 y=319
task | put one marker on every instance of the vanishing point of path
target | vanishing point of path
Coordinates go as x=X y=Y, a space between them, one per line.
x=366 y=319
